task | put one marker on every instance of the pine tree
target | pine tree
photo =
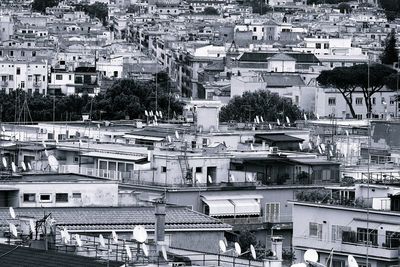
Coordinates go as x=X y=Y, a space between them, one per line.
x=390 y=54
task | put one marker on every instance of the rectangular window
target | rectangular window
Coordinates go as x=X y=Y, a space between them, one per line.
x=62 y=197
x=29 y=197
x=45 y=198
x=76 y=195
x=373 y=101
x=22 y=84
x=18 y=71
x=367 y=236
x=163 y=169
x=332 y=101
x=10 y=77
x=315 y=230
x=318 y=46
x=272 y=212
x=359 y=100
x=337 y=232
x=326 y=46
x=199 y=169
x=59 y=77
x=392 y=239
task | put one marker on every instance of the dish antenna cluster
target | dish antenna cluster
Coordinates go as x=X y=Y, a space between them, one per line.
x=238 y=250
x=154 y=116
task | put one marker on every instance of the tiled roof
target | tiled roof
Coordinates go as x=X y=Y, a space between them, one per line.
x=281 y=57
x=263 y=56
x=279 y=138
x=119 y=218
x=28 y=257
x=282 y=80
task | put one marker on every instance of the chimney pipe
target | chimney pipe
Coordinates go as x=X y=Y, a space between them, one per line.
x=160 y=225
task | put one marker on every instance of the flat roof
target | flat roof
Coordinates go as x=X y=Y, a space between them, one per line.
x=53 y=178
x=115 y=156
x=279 y=137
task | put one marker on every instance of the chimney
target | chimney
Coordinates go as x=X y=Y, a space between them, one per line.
x=160 y=224
x=276 y=246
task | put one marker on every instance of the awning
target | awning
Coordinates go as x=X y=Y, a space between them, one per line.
x=246 y=207
x=220 y=207
x=124 y=157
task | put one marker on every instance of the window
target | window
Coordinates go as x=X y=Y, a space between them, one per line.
x=318 y=46
x=29 y=197
x=315 y=230
x=163 y=169
x=392 y=239
x=45 y=198
x=254 y=29
x=359 y=100
x=373 y=101
x=33 y=53
x=272 y=212
x=76 y=195
x=332 y=101
x=254 y=37
x=199 y=169
x=18 y=71
x=326 y=46
x=61 y=197
x=367 y=236
x=337 y=232
x=59 y=77
x=10 y=77
x=22 y=84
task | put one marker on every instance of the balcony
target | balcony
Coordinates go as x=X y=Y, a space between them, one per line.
x=380 y=252
x=37 y=84
x=4 y=83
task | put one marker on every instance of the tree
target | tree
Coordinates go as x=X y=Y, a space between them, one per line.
x=391 y=7
x=40 y=5
x=261 y=103
x=390 y=54
x=97 y=10
x=344 y=8
x=341 y=79
x=210 y=11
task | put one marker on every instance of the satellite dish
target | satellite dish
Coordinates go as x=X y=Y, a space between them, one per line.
x=140 y=234
x=253 y=252
x=145 y=249
x=317 y=116
x=146 y=113
x=250 y=176
x=164 y=253
x=101 y=240
x=128 y=252
x=238 y=249
x=29 y=166
x=209 y=179
x=311 y=255
x=114 y=236
x=46 y=153
x=53 y=162
x=169 y=139
x=4 y=162
x=257 y=119
x=323 y=147
x=78 y=240
x=12 y=213
x=232 y=178
x=157 y=113
x=222 y=246
x=305 y=117
x=13 y=230
x=13 y=167
x=160 y=113
x=23 y=166
x=32 y=225
x=310 y=146
x=3 y=128
x=176 y=134
x=300 y=146
x=278 y=121
x=67 y=236
x=352 y=261
x=347 y=132
x=262 y=119
x=251 y=147
x=287 y=120
x=269 y=126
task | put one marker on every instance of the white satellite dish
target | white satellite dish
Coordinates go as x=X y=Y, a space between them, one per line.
x=32 y=225
x=250 y=176
x=46 y=152
x=310 y=146
x=13 y=230
x=232 y=178
x=287 y=120
x=4 y=162
x=300 y=146
x=251 y=147
x=347 y=132
x=209 y=179
x=253 y=252
x=262 y=119
x=145 y=249
x=67 y=236
x=114 y=236
x=12 y=213
x=157 y=113
x=238 y=249
x=311 y=255
x=128 y=252
x=101 y=240
x=352 y=261
x=3 y=128
x=317 y=116
x=29 y=166
x=176 y=134
x=323 y=147
x=319 y=150
x=53 y=162
x=140 y=234
x=169 y=139
x=305 y=117
x=151 y=113
x=164 y=253
x=222 y=246
x=257 y=119
x=278 y=121
x=160 y=114
x=23 y=166
x=78 y=240
x=270 y=126
x=146 y=113
x=13 y=167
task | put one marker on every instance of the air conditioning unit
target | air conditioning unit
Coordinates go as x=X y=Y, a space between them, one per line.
x=273 y=149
